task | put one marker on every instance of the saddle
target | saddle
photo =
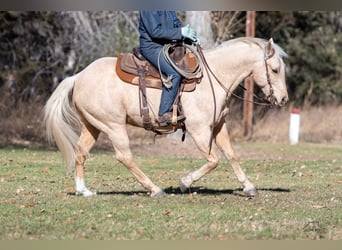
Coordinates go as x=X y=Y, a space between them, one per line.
x=130 y=65
x=133 y=68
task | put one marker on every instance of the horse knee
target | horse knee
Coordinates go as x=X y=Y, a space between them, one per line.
x=213 y=161
x=213 y=164
x=125 y=159
x=80 y=159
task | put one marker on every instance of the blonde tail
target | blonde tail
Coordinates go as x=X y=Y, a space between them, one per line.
x=61 y=122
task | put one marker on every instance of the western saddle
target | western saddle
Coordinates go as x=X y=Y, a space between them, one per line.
x=134 y=69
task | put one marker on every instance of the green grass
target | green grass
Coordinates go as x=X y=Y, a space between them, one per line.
x=299 y=198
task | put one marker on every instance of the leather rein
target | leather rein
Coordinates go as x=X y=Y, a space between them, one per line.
x=268 y=101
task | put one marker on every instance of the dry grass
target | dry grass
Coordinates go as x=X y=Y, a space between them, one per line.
x=318 y=125
x=21 y=124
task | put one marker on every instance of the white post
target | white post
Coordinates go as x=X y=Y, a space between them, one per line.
x=294 y=126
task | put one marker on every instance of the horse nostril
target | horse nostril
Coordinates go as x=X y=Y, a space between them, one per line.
x=284 y=100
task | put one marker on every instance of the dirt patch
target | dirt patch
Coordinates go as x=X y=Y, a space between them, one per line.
x=171 y=145
x=23 y=126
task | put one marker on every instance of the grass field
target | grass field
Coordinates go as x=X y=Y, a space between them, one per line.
x=300 y=197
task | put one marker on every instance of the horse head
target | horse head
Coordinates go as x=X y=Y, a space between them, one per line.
x=269 y=74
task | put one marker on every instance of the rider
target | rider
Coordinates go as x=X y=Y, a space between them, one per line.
x=157 y=28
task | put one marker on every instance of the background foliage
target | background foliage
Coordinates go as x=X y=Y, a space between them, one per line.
x=313 y=41
x=38 y=49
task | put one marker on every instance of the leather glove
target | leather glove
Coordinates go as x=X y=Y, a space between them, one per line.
x=190 y=33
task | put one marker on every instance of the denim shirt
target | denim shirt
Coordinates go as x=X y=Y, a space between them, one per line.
x=157 y=28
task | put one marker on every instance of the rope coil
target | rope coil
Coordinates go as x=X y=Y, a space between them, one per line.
x=188 y=73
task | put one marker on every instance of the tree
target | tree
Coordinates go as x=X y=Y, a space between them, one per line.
x=313 y=41
x=227 y=25
x=38 y=49
x=201 y=22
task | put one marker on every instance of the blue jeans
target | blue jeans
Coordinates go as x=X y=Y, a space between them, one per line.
x=168 y=95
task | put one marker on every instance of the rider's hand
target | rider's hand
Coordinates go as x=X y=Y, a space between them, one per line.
x=190 y=33
x=197 y=42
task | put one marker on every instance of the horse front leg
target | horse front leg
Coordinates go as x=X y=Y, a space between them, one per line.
x=223 y=142
x=212 y=161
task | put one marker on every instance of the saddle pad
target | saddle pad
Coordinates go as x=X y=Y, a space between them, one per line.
x=130 y=63
x=126 y=69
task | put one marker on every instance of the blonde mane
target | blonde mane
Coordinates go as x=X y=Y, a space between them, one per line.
x=256 y=41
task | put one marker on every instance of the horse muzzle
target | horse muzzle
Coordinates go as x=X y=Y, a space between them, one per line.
x=274 y=101
x=283 y=101
x=280 y=103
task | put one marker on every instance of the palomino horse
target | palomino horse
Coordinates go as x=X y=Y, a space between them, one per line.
x=95 y=100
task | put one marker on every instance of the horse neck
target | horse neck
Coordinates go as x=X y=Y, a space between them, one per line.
x=232 y=64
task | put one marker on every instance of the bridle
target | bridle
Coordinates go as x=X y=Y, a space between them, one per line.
x=268 y=101
x=270 y=97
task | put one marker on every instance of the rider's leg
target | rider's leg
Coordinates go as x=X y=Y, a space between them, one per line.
x=168 y=94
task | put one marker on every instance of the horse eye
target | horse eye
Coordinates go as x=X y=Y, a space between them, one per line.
x=275 y=71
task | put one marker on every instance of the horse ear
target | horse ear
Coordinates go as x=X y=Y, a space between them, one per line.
x=269 y=48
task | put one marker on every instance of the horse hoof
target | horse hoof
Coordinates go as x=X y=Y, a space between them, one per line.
x=251 y=192
x=85 y=193
x=159 y=194
x=182 y=186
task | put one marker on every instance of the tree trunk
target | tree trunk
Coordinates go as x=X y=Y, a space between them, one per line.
x=201 y=22
x=249 y=84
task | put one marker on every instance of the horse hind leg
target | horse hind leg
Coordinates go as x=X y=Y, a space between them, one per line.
x=88 y=137
x=118 y=136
